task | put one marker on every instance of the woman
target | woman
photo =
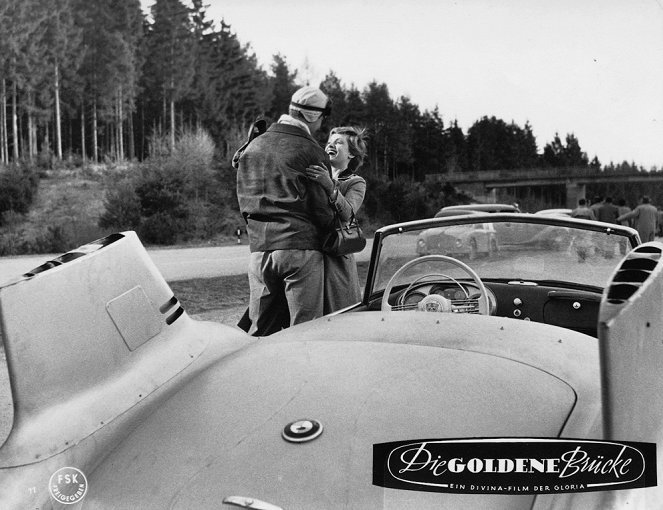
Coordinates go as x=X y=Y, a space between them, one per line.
x=346 y=148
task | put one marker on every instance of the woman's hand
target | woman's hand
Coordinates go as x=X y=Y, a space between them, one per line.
x=321 y=175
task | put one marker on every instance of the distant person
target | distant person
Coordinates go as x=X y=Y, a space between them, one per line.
x=286 y=216
x=585 y=213
x=346 y=148
x=646 y=219
x=608 y=212
x=624 y=209
x=582 y=211
x=596 y=203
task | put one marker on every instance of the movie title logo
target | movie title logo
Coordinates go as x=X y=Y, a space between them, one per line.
x=514 y=465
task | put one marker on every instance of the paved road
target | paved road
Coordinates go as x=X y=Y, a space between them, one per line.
x=174 y=263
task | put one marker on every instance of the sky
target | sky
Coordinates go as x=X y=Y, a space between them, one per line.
x=593 y=68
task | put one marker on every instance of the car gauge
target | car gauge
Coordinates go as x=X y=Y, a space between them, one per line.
x=459 y=294
x=413 y=298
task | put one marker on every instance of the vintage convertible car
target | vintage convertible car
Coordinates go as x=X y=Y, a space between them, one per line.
x=463 y=241
x=487 y=208
x=555 y=212
x=459 y=241
x=144 y=407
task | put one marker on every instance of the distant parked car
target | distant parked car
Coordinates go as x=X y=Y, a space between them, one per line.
x=446 y=212
x=461 y=241
x=555 y=212
x=458 y=241
x=490 y=208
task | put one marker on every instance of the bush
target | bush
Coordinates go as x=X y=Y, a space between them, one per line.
x=53 y=240
x=160 y=190
x=160 y=228
x=11 y=243
x=394 y=201
x=404 y=200
x=122 y=208
x=175 y=193
x=18 y=187
x=193 y=155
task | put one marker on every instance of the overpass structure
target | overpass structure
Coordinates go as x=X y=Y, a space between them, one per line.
x=575 y=179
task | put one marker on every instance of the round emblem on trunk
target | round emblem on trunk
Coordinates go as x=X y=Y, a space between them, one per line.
x=301 y=431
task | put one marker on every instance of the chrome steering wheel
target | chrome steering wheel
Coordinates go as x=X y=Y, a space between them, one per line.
x=442 y=305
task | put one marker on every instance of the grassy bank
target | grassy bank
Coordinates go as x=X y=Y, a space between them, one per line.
x=65 y=214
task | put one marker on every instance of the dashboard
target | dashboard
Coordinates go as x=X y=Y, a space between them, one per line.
x=462 y=297
x=574 y=309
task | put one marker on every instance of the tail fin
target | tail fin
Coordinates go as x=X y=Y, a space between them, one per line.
x=631 y=350
x=72 y=328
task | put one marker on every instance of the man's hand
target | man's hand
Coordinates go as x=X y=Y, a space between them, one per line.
x=321 y=175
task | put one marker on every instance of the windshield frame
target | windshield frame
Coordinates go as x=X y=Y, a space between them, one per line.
x=466 y=219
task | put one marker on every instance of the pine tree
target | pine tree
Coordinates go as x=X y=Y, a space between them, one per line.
x=20 y=56
x=405 y=129
x=331 y=85
x=557 y=154
x=495 y=145
x=356 y=109
x=379 y=112
x=111 y=38
x=456 y=153
x=283 y=86
x=62 y=40
x=5 y=44
x=170 y=46
x=429 y=145
x=231 y=90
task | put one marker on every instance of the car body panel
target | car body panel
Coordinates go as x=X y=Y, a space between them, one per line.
x=446 y=212
x=109 y=374
x=484 y=208
x=630 y=327
x=362 y=379
x=555 y=212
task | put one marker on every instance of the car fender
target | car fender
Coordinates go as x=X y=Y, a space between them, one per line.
x=93 y=340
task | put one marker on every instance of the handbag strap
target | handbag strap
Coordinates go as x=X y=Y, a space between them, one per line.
x=349 y=224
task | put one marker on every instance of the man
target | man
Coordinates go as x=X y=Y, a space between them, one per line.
x=286 y=217
x=582 y=211
x=646 y=218
x=608 y=212
x=596 y=203
x=623 y=209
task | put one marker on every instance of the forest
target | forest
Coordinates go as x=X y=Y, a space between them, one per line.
x=98 y=82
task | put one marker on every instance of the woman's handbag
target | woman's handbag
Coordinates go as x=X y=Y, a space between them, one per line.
x=344 y=239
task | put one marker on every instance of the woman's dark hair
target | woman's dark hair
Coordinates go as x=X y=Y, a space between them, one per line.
x=356 y=144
